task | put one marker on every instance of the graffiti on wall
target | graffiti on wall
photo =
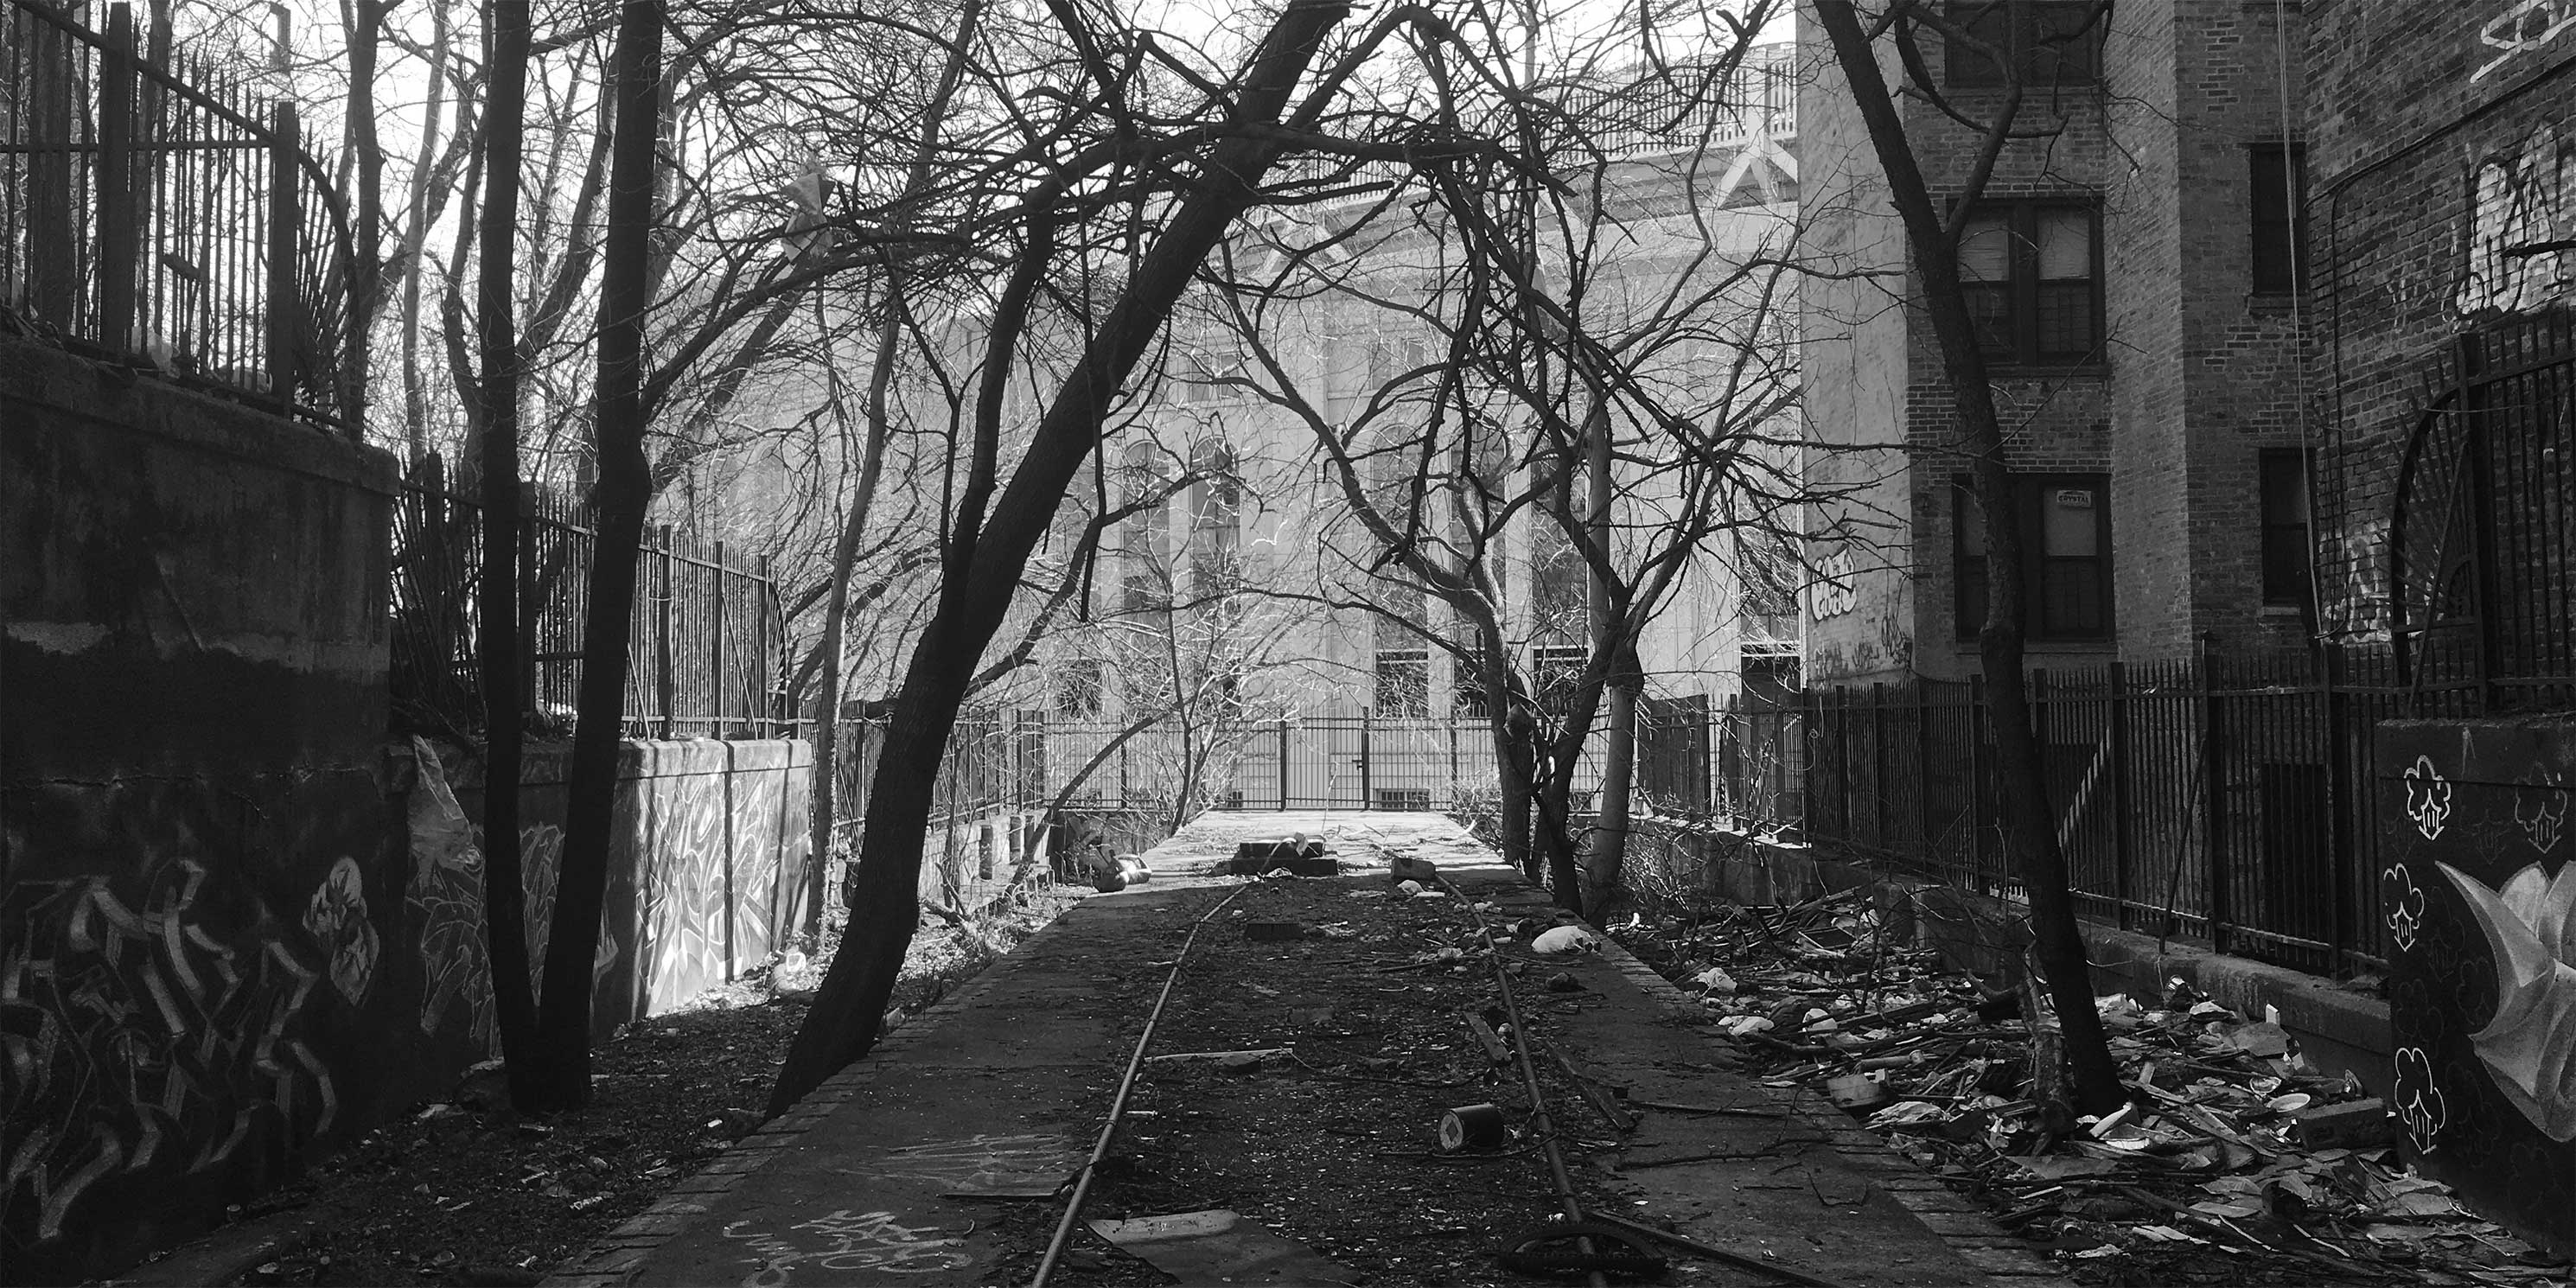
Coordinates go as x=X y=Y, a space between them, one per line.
x=445 y=895
x=2521 y=197
x=2482 y=985
x=2524 y=26
x=711 y=849
x=145 y=1024
x=1835 y=590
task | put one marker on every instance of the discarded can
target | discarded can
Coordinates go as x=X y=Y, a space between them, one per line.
x=1471 y=1127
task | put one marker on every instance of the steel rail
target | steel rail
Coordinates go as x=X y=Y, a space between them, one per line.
x=1541 y=1124
x=1563 y=1179
x=1118 y=1104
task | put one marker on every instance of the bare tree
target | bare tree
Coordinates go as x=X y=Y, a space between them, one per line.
x=1933 y=238
x=994 y=524
x=1562 y=396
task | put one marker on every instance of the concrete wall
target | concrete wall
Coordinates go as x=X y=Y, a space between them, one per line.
x=204 y=966
x=705 y=869
x=237 y=928
x=2481 y=896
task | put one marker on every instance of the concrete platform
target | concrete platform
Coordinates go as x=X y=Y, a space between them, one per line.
x=1012 y=1075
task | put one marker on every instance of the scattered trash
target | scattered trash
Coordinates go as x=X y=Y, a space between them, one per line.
x=1239 y=1061
x=1218 y=1246
x=1566 y=939
x=2232 y=1148
x=1471 y=1127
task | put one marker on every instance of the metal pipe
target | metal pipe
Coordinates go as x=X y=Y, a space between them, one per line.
x=1118 y=1103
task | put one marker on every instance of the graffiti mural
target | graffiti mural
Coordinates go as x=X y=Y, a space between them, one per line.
x=147 y=1030
x=445 y=900
x=2482 y=982
x=2520 y=198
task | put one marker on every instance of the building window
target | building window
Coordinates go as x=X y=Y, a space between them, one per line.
x=1557 y=670
x=2285 y=527
x=1145 y=481
x=1403 y=682
x=1078 y=687
x=2031 y=272
x=2047 y=42
x=2280 y=180
x=2065 y=526
x=1216 y=518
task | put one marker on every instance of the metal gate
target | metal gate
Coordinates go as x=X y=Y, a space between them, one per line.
x=2482 y=539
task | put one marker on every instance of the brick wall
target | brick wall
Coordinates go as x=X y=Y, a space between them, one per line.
x=2430 y=103
x=2195 y=377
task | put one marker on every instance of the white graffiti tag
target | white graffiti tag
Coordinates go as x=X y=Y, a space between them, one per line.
x=2521 y=199
x=850 y=1241
x=2525 y=26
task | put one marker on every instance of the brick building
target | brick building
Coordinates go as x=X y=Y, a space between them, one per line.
x=2136 y=268
x=2443 y=164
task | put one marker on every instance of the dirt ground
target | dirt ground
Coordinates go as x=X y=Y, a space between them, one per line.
x=1381 y=1048
x=465 y=1192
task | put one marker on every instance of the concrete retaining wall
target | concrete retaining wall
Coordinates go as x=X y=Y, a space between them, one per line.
x=237 y=928
x=705 y=872
x=2341 y=1028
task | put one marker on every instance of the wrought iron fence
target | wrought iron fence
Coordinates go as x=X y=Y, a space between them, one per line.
x=702 y=658
x=154 y=206
x=2227 y=799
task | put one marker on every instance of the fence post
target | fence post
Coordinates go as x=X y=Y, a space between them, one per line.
x=1980 y=806
x=2121 y=857
x=663 y=686
x=1453 y=756
x=1842 y=761
x=764 y=655
x=2214 y=772
x=1878 y=762
x=1283 y=766
x=1926 y=844
x=716 y=648
x=285 y=328
x=2338 y=808
x=115 y=178
x=1365 y=794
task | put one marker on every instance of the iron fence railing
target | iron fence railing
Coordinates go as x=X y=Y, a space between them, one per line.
x=2227 y=799
x=153 y=205
x=702 y=657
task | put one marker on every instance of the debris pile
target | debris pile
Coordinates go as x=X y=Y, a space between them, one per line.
x=2233 y=1160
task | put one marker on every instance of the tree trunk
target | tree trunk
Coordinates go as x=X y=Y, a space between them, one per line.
x=845 y=551
x=415 y=242
x=2029 y=825
x=625 y=488
x=988 y=553
x=1606 y=857
x=497 y=640
x=836 y=612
